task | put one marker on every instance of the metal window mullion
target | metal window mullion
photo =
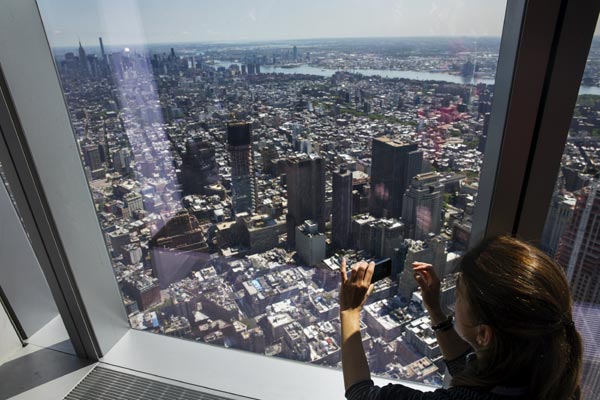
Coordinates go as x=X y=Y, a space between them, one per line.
x=33 y=209
x=12 y=317
x=564 y=79
x=59 y=197
x=526 y=49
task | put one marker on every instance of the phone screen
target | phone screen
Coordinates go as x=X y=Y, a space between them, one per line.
x=383 y=268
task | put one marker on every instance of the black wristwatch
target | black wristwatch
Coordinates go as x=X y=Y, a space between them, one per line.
x=444 y=325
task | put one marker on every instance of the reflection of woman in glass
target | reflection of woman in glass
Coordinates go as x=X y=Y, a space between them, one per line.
x=513 y=337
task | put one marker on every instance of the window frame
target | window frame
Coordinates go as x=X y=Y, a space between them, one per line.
x=23 y=288
x=561 y=87
x=58 y=211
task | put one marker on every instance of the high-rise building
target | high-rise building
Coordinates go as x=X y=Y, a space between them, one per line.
x=91 y=156
x=579 y=248
x=133 y=201
x=574 y=178
x=93 y=159
x=422 y=206
x=199 y=167
x=119 y=238
x=431 y=251
x=305 y=192
x=361 y=192
x=485 y=129
x=269 y=155
x=104 y=62
x=83 y=62
x=558 y=218
x=255 y=233
x=386 y=236
x=102 y=48
x=310 y=243
x=378 y=237
x=243 y=184
x=121 y=158
x=341 y=210
x=394 y=163
x=361 y=231
x=143 y=289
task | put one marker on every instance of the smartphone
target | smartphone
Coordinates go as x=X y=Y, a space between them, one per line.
x=383 y=268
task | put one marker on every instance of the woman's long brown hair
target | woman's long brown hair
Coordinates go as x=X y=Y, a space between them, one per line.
x=524 y=296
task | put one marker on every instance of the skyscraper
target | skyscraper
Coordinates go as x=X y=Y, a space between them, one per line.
x=394 y=163
x=83 y=62
x=91 y=156
x=243 y=185
x=268 y=155
x=341 y=211
x=104 y=61
x=310 y=243
x=102 y=48
x=199 y=167
x=422 y=206
x=306 y=193
x=579 y=248
x=121 y=158
x=557 y=220
x=431 y=251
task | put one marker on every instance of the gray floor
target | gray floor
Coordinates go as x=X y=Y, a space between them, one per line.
x=46 y=368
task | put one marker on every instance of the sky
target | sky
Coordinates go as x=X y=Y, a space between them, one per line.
x=132 y=22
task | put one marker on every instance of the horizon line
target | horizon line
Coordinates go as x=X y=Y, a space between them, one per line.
x=256 y=41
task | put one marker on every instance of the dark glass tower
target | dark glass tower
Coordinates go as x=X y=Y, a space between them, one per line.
x=422 y=206
x=306 y=193
x=341 y=212
x=199 y=167
x=243 y=185
x=394 y=164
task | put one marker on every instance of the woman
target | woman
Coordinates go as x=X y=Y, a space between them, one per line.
x=513 y=335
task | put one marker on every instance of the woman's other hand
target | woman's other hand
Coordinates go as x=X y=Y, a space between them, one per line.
x=355 y=289
x=429 y=283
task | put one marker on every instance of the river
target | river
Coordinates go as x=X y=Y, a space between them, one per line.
x=386 y=73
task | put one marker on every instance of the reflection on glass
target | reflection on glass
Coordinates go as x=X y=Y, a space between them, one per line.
x=229 y=177
x=572 y=231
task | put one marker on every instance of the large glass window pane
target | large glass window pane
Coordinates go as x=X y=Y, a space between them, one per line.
x=236 y=150
x=572 y=231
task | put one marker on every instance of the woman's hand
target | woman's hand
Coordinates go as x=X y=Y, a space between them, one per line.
x=430 y=286
x=355 y=290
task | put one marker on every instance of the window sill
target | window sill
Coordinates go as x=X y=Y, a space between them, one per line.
x=228 y=370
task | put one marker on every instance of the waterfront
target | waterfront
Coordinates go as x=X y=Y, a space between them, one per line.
x=414 y=75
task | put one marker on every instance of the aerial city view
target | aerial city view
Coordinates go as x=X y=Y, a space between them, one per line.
x=229 y=180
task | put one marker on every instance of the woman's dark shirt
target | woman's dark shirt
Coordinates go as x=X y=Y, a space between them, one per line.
x=366 y=390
